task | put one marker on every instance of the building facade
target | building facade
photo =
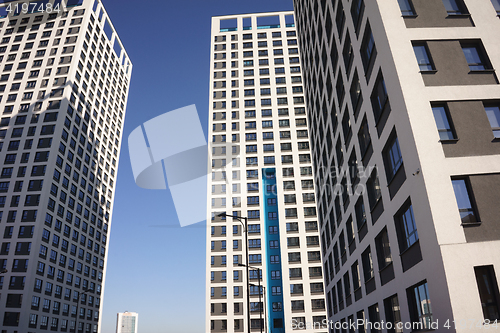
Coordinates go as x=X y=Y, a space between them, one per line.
x=127 y=322
x=64 y=85
x=261 y=170
x=404 y=117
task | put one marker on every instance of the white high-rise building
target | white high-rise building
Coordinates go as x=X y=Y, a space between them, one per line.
x=63 y=89
x=127 y=322
x=404 y=118
x=261 y=173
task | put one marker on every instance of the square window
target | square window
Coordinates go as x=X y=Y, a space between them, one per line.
x=475 y=56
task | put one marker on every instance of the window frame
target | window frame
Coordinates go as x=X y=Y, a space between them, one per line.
x=415 y=301
x=409 y=10
x=429 y=63
x=484 y=63
x=368 y=44
x=495 y=129
x=489 y=271
x=451 y=129
x=468 y=190
x=379 y=102
x=496 y=5
x=406 y=230
x=461 y=9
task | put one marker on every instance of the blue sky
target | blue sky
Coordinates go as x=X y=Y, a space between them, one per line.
x=155 y=267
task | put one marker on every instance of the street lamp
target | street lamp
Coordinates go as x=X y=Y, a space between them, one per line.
x=3 y=271
x=245 y=225
x=259 y=272
x=84 y=292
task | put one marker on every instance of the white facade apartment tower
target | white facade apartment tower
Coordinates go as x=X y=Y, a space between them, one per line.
x=127 y=322
x=404 y=119
x=63 y=89
x=261 y=169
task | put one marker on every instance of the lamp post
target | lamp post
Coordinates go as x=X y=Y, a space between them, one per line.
x=245 y=225
x=3 y=271
x=259 y=272
x=84 y=292
x=265 y=308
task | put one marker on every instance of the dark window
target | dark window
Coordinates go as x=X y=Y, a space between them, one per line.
x=383 y=249
x=355 y=92
x=419 y=305
x=373 y=186
x=368 y=49
x=360 y=213
x=357 y=8
x=379 y=97
x=366 y=259
x=374 y=317
x=488 y=291
x=392 y=314
x=364 y=137
x=406 y=227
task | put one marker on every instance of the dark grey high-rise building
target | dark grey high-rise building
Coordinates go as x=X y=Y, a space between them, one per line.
x=63 y=89
x=403 y=110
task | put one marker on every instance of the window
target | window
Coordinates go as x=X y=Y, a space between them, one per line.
x=295 y=272
x=496 y=4
x=443 y=124
x=406 y=227
x=475 y=57
x=488 y=291
x=296 y=289
x=423 y=59
x=379 y=97
x=406 y=7
x=383 y=249
x=254 y=243
x=364 y=137
x=368 y=49
x=392 y=157
x=373 y=186
x=255 y=258
x=493 y=113
x=465 y=208
x=366 y=259
x=392 y=314
x=419 y=305
x=454 y=7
